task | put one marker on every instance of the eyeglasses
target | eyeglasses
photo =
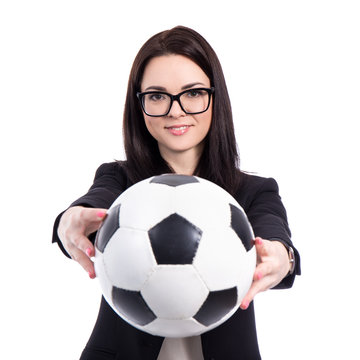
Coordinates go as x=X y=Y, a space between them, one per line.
x=158 y=103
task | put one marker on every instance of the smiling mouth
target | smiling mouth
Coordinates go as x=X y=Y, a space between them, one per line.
x=178 y=130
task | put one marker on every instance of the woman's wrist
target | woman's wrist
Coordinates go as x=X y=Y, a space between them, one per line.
x=291 y=256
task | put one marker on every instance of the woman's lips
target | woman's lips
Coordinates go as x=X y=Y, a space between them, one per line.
x=178 y=129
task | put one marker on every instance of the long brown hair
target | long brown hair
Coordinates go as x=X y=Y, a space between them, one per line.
x=219 y=162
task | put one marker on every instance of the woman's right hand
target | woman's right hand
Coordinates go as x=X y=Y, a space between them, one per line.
x=76 y=224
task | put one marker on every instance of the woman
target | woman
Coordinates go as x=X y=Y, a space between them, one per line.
x=178 y=119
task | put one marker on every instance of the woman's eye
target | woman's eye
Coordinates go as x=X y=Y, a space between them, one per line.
x=195 y=93
x=156 y=97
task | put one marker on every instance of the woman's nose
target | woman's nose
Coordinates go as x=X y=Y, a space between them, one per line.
x=176 y=110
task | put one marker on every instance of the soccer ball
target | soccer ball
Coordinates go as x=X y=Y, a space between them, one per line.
x=175 y=255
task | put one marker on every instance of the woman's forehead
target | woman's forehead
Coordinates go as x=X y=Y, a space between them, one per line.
x=173 y=73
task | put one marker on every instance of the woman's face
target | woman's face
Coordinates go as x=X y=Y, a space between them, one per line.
x=177 y=132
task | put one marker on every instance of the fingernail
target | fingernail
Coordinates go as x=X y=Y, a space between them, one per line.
x=244 y=305
x=88 y=252
x=91 y=275
x=100 y=214
x=259 y=275
x=258 y=241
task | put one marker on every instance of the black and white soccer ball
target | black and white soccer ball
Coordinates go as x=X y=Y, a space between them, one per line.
x=175 y=255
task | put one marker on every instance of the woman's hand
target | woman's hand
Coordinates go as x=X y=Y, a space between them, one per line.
x=272 y=266
x=76 y=224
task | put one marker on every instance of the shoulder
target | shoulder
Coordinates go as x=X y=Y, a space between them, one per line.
x=255 y=182
x=253 y=186
x=114 y=168
x=115 y=172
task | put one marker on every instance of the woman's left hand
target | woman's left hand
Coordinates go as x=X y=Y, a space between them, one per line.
x=272 y=266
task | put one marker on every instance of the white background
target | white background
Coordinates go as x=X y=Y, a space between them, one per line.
x=292 y=69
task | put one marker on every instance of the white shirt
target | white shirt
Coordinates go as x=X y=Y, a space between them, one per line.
x=188 y=348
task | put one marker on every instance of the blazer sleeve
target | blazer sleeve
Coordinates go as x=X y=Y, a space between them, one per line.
x=268 y=218
x=109 y=182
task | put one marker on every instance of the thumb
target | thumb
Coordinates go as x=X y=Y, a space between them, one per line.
x=93 y=217
x=95 y=214
x=100 y=213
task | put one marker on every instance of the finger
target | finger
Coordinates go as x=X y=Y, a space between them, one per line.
x=93 y=214
x=92 y=218
x=261 y=282
x=248 y=298
x=82 y=243
x=255 y=288
x=262 y=270
x=261 y=246
x=84 y=261
x=258 y=246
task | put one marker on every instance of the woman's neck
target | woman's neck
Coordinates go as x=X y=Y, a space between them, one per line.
x=184 y=162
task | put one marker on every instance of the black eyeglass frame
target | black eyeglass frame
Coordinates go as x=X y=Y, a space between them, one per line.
x=140 y=96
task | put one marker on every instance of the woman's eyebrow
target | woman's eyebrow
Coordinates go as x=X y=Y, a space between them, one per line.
x=188 y=86
x=154 y=87
x=161 y=88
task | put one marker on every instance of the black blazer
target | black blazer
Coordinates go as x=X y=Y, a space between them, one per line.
x=113 y=338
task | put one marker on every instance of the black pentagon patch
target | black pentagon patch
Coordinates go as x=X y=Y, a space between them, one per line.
x=132 y=305
x=174 y=179
x=216 y=306
x=108 y=228
x=174 y=240
x=241 y=226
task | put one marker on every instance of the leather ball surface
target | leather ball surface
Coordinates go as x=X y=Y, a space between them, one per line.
x=175 y=255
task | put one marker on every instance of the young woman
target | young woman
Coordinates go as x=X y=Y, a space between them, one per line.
x=178 y=119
